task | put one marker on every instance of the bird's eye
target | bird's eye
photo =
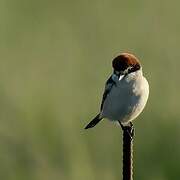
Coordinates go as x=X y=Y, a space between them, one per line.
x=133 y=68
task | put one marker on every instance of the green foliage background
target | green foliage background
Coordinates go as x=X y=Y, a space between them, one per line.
x=54 y=59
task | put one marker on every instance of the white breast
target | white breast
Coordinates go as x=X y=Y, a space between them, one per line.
x=127 y=98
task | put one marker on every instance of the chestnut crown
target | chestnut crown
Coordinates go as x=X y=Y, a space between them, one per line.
x=126 y=61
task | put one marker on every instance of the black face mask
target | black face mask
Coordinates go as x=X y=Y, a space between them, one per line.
x=134 y=68
x=129 y=70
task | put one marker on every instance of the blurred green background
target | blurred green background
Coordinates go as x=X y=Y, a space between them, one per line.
x=54 y=59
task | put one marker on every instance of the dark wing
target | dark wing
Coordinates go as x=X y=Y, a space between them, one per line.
x=109 y=84
x=93 y=123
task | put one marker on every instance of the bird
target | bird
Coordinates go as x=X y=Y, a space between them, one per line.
x=126 y=92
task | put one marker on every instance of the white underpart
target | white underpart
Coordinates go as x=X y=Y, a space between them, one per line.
x=127 y=98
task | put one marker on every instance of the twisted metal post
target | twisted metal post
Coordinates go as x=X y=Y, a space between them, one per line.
x=128 y=134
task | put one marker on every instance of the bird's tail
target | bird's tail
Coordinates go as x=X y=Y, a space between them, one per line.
x=96 y=120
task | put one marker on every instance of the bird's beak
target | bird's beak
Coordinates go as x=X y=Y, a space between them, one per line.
x=120 y=74
x=124 y=73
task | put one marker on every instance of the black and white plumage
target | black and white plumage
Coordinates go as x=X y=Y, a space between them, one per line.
x=108 y=86
x=126 y=92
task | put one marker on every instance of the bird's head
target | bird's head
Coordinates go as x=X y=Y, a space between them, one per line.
x=125 y=63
